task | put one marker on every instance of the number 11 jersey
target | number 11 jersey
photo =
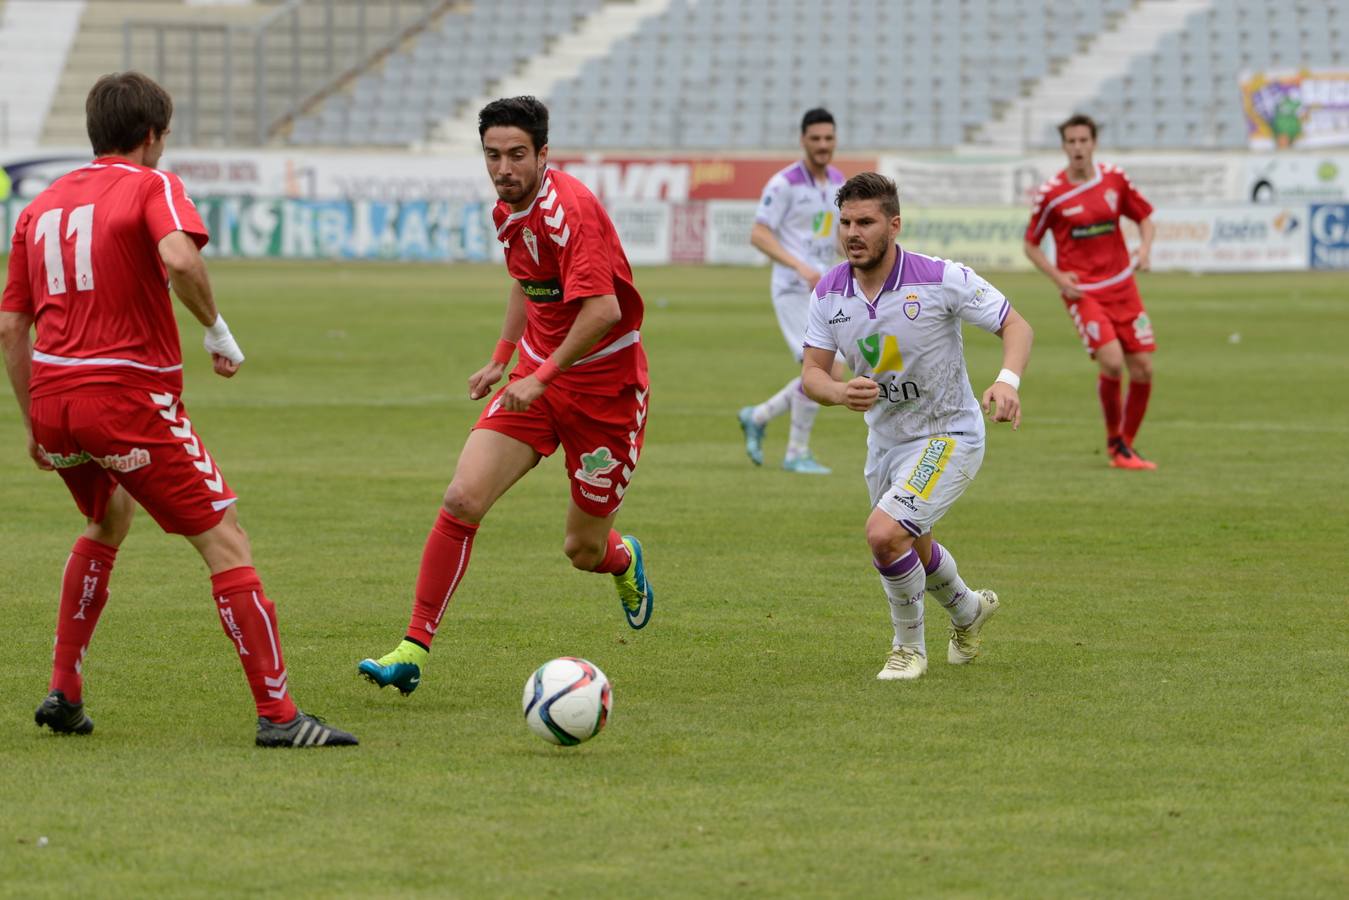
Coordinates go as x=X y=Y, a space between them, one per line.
x=85 y=264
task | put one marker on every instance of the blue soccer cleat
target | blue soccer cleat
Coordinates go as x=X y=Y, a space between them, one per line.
x=753 y=435
x=805 y=465
x=634 y=591
x=402 y=668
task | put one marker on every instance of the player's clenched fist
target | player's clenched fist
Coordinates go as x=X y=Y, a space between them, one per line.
x=481 y=381
x=519 y=394
x=860 y=394
x=1003 y=403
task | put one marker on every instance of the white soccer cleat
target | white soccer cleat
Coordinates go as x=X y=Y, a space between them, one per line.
x=903 y=664
x=965 y=641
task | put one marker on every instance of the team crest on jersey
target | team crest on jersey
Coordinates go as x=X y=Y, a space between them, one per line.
x=912 y=307
x=1112 y=200
x=531 y=244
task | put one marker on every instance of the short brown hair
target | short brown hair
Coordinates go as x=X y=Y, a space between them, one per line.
x=870 y=186
x=123 y=109
x=1077 y=119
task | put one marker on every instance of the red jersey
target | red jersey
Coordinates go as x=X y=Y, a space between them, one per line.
x=561 y=250
x=85 y=264
x=1085 y=221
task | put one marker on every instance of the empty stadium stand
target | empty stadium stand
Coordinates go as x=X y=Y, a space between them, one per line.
x=697 y=75
x=1186 y=93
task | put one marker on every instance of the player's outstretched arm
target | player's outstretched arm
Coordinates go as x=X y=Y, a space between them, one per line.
x=187 y=274
x=820 y=385
x=1002 y=400
x=480 y=382
x=15 y=340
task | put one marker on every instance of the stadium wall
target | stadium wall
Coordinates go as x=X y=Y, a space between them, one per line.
x=1219 y=212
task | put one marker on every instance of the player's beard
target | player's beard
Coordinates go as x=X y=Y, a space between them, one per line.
x=875 y=254
x=514 y=192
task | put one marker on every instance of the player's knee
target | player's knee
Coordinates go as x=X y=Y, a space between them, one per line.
x=888 y=541
x=463 y=503
x=1140 y=369
x=584 y=555
x=1111 y=366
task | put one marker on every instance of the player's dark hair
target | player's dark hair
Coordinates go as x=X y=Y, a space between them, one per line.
x=525 y=113
x=123 y=109
x=870 y=186
x=816 y=116
x=1077 y=119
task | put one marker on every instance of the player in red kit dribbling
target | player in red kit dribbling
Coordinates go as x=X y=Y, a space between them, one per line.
x=99 y=389
x=1081 y=206
x=581 y=383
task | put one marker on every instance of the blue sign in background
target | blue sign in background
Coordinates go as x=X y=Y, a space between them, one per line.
x=1328 y=233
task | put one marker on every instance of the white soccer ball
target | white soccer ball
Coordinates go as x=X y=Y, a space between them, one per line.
x=567 y=701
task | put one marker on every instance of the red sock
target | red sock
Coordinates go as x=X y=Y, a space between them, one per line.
x=616 y=555
x=1134 y=407
x=1108 y=389
x=84 y=593
x=249 y=619
x=444 y=562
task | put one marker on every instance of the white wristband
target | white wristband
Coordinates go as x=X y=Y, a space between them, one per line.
x=1007 y=376
x=218 y=340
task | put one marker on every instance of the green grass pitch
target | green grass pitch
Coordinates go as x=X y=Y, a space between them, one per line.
x=1160 y=710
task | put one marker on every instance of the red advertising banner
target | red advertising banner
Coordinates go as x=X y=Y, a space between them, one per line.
x=678 y=179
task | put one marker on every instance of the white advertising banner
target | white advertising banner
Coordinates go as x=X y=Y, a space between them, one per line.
x=1297 y=178
x=1228 y=238
x=727 y=233
x=299 y=174
x=644 y=229
x=1165 y=179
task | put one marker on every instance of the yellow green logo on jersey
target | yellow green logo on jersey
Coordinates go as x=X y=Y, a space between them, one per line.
x=881 y=354
x=924 y=476
x=823 y=224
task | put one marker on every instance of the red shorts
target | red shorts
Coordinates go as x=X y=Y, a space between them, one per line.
x=1113 y=313
x=602 y=437
x=140 y=440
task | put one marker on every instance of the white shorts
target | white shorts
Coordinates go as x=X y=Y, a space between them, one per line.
x=916 y=482
x=793 y=309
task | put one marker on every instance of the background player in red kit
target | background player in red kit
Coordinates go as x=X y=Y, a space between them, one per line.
x=99 y=391
x=1082 y=206
x=581 y=382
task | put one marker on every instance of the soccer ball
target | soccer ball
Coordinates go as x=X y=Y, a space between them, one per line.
x=567 y=701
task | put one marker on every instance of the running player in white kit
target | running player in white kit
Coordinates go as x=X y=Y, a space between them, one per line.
x=895 y=315
x=794 y=227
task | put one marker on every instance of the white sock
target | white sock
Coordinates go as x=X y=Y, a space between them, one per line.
x=903 y=583
x=945 y=584
x=777 y=404
x=804 y=410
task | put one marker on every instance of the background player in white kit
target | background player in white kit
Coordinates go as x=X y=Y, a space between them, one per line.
x=925 y=437
x=794 y=227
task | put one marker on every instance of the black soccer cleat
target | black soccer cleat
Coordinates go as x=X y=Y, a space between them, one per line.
x=62 y=716
x=302 y=731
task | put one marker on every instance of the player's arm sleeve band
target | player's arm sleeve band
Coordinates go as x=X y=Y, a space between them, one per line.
x=503 y=352
x=547 y=372
x=1007 y=376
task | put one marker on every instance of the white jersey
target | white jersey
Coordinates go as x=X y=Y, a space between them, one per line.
x=801 y=215
x=909 y=342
